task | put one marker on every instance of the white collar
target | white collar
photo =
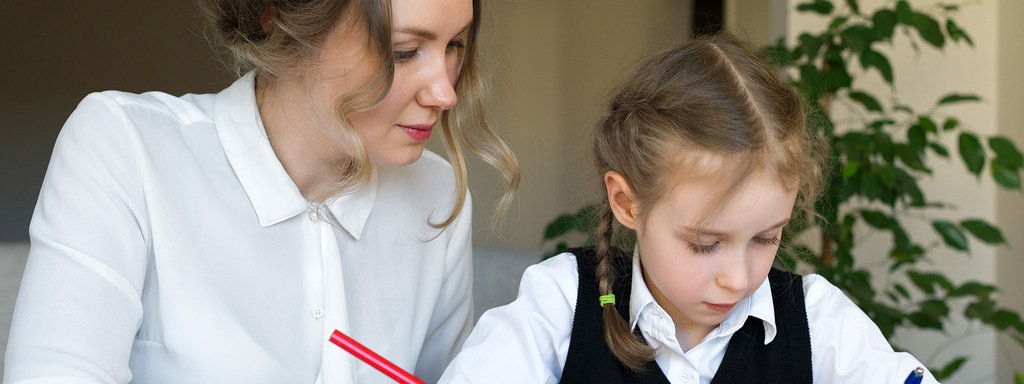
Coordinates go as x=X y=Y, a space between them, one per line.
x=272 y=193
x=759 y=305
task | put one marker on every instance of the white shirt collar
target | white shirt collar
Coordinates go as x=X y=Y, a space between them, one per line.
x=272 y=193
x=759 y=305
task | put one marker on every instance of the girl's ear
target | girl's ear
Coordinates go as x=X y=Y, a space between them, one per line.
x=621 y=199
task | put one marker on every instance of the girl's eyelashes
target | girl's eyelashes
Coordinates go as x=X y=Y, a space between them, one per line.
x=709 y=248
x=774 y=240
x=704 y=249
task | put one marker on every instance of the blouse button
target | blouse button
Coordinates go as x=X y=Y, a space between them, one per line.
x=687 y=377
x=318 y=312
x=313 y=216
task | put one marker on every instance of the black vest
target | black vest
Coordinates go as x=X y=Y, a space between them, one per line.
x=787 y=359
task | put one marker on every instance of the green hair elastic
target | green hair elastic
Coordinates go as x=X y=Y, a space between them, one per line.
x=607 y=299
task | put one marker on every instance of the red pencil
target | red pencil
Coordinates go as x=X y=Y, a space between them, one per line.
x=370 y=357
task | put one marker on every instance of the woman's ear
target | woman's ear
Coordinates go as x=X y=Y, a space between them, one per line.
x=621 y=199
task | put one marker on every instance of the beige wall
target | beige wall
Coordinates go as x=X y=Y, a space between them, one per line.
x=1008 y=100
x=552 y=63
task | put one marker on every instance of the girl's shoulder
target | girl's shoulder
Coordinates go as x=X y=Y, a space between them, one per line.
x=818 y=289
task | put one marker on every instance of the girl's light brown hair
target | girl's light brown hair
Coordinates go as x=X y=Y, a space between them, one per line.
x=709 y=97
x=270 y=37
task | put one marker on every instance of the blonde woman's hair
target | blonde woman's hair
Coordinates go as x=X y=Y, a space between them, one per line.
x=270 y=37
x=708 y=97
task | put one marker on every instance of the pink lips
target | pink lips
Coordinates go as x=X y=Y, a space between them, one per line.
x=419 y=132
x=721 y=308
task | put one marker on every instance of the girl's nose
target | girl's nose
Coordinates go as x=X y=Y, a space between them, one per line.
x=733 y=272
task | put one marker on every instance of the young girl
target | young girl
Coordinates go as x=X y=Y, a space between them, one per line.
x=221 y=238
x=704 y=156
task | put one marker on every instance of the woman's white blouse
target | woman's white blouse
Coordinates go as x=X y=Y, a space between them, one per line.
x=169 y=245
x=527 y=341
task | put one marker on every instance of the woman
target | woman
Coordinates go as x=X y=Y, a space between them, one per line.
x=223 y=237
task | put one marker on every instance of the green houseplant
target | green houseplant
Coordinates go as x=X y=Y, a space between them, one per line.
x=879 y=156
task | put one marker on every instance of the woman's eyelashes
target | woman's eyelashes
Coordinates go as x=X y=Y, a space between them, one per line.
x=454 y=45
x=402 y=56
x=704 y=248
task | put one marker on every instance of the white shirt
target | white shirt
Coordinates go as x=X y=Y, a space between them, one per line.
x=527 y=340
x=169 y=245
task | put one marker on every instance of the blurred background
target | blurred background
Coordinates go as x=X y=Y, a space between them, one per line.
x=551 y=64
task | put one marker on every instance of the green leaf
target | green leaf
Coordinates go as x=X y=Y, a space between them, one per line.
x=972 y=152
x=871 y=186
x=981 y=309
x=928 y=28
x=884 y=21
x=909 y=156
x=957 y=97
x=886 y=174
x=853 y=6
x=850 y=169
x=836 y=77
x=904 y=14
x=901 y=290
x=876 y=219
x=869 y=102
x=810 y=45
x=581 y=221
x=1018 y=378
x=873 y=59
x=910 y=187
x=904 y=255
x=951 y=234
x=812 y=78
x=1006 y=152
x=857 y=38
x=928 y=124
x=935 y=307
x=883 y=145
x=926 y=282
x=950 y=123
x=983 y=231
x=1004 y=319
x=837 y=22
x=1004 y=176
x=956 y=33
x=821 y=7
x=973 y=288
x=560 y=226
x=950 y=368
x=924 y=320
x=939 y=149
x=917 y=136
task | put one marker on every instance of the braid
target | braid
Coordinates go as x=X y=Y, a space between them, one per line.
x=628 y=348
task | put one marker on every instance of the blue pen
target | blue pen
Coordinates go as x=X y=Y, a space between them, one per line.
x=915 y=376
